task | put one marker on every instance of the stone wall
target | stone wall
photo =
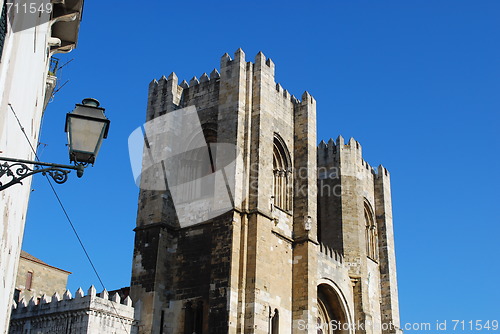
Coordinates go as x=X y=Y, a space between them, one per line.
x=45 y=279
x=348 y=186
x=242 y=266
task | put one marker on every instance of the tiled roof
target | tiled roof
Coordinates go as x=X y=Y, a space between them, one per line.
x=28 y=256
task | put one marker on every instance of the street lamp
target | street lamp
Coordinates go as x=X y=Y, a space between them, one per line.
x=86 y=126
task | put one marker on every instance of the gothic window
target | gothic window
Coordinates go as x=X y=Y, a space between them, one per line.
x=282 y=170
x=275 y=322
x=193 y=169
x=193 y=318
x=371 y=233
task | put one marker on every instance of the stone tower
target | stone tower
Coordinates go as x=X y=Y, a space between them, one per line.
x=308 y=238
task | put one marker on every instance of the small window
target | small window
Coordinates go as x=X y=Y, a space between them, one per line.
x=275 y=322
x=29 y=280
x=188 y=318
x=193 y=318
x=17 y=294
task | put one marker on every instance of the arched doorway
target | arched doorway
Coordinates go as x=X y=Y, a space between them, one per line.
x=332 y=316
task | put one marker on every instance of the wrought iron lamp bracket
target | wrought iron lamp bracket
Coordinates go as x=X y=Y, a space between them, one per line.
x=18 y=169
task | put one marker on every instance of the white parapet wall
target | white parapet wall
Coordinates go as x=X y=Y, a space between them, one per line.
x=82 y=314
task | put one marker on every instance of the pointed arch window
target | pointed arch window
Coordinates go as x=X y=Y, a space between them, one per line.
x=282 y=169
x=194 y=168
x=371 y=233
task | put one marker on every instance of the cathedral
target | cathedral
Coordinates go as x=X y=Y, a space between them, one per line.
x=246 y=225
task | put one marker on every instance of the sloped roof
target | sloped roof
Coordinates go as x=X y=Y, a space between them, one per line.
x=28 y=256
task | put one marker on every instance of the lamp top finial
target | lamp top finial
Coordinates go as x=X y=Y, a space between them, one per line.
x=90 y=102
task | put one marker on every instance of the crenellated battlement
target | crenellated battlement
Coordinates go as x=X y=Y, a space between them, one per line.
x=330 y=154
x=331 y=253
x=170 y=91
x=381 y=171
x=102 y=313
x=67 y=297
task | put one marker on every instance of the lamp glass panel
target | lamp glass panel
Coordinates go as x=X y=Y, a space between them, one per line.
x=85 y=135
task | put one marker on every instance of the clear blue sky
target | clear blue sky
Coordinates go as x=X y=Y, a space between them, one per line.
x=416 y=82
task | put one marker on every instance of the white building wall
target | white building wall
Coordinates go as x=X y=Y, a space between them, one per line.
x=23 y=74
x=23 y=68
